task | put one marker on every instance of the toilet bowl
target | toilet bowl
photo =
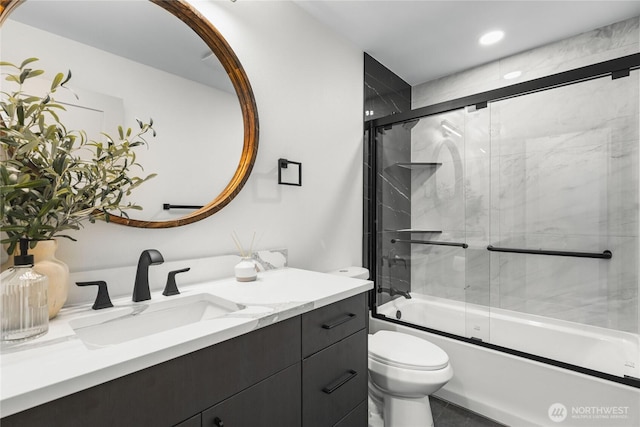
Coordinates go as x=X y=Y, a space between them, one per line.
x=405 y=370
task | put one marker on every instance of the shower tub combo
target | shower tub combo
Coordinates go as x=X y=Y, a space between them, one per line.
x=504 y=228
x=485 y=377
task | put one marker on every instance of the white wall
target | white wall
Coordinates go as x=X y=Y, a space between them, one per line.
x=308 y=86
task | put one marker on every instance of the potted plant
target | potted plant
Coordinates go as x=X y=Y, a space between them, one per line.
x=54 y=179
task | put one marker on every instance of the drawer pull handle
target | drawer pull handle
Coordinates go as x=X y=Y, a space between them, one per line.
x=339 y=322
x=218 y=422
x=348 y=376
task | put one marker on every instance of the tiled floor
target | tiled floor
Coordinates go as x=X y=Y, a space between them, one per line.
x=447 y=414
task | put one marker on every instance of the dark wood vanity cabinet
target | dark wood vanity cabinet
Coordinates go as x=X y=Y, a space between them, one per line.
x=310 y=370
x=334 y=365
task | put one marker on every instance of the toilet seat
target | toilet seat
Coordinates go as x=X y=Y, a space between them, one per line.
x=406 y=351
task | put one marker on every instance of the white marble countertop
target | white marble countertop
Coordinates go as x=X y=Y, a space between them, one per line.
x=59 y=363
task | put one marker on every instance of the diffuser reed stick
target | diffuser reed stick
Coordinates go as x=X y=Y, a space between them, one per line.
x=251 y=245
x=236 y=240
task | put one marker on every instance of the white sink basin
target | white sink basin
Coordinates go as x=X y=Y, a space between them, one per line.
x=141 y=319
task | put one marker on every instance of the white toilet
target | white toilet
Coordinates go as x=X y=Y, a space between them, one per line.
x=406 y=370
x=403 y=371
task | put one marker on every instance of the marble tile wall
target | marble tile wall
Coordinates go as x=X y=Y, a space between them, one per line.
x=455 y=199
x=568 y=180
x=437 y=195
x=554 y=170
x=393 y=210
x=385 y=93
x=599 y=45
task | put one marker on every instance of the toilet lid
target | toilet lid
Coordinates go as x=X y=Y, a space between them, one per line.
x=406 y=351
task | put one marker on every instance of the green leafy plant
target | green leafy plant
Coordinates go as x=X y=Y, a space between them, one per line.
x=53 y=179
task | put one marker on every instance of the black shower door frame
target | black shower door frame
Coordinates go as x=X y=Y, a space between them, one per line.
x=614 y=68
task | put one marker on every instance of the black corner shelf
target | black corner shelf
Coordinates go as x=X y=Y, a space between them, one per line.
x=412 y=166
x=414 y=230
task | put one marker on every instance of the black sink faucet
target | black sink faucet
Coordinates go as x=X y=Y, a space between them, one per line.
x=141 y=286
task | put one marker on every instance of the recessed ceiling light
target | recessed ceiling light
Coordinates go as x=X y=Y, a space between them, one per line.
x=512 y=75
x=491 y=37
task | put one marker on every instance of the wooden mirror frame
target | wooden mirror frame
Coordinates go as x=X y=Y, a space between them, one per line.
x=219 y=46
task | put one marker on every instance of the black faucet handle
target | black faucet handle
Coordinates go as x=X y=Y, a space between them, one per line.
x=102 y=299
x=171 y=288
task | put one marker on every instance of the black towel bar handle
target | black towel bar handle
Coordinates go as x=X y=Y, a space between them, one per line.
x=607 y=254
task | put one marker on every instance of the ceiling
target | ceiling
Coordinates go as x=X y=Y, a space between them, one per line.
x=424 y=40
x=418 y=40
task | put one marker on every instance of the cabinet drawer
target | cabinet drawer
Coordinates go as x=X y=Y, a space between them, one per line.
x=327 y=325
x=272 y=402
x=359 y=417
x=334 y=381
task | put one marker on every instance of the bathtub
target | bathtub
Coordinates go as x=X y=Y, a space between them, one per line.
x=516 y=390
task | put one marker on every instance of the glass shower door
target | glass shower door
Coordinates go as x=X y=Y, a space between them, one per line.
x=421 y=222
x=564 y=224
x=517 y=224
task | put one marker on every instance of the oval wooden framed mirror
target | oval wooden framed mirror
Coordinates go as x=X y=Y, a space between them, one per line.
x=234 y=70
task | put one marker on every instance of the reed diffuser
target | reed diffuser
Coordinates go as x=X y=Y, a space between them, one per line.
x=246 y=270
